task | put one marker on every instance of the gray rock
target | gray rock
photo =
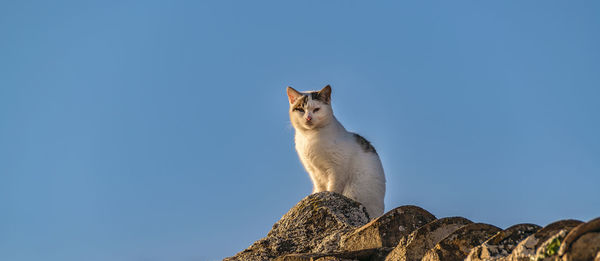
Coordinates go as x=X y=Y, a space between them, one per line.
x=386 y=231
x=457 y=245
x=526 y=249
x=582 y=242
x=366 y=254
x=311 y=257
x=414 y=246
x=503 y=243
x=584 y=248
x=590 y=226
x=314 y=225
x=548 y=251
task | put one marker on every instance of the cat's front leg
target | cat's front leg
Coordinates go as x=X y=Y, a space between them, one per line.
x=319 y=188
x=319 y=182
x=335 y=183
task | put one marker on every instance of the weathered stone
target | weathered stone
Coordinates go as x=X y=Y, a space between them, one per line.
x=414 y=246
x=365 y=254
x=526 y=249
x=311 y=257
x=386 y=231
x=372 y=254
x=503 y=243
x=333 y=258
x=584 y=248
x=582 y=242
x=457 y=245
x=548 y=251
x=314 y=225
x=590 y=226
x=299 y=257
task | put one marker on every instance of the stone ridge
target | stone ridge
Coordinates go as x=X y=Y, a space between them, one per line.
x=459 y=243
x=314 y=225
x=387 y=230
x=503 y=243
x=414 y=246
x=327 y=226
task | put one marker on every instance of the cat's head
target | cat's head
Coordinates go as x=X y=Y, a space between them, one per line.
x=310 y=110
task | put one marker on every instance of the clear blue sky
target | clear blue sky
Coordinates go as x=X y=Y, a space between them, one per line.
x=158 y=130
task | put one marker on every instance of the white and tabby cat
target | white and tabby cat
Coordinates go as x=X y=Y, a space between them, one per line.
x=336 y=160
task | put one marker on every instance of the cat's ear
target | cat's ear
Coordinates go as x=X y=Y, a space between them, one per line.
x=293 y=95
x=325 y=93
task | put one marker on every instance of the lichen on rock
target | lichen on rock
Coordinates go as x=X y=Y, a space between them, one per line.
x=503 y=243
x=526 y=249
x=327 y=226
x=314 y=225
x=386 y=230
x=457 y=245
x=414 y=246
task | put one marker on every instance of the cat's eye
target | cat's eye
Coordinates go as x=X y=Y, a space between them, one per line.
x=300 y=110
x=316 y=110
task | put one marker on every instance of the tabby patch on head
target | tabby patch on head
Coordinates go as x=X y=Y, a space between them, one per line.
x=324 y=95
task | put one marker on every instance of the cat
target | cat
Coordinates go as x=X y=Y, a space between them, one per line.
x=335 y=159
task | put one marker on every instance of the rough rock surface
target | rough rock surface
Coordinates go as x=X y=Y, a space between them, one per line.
x=386 y=231
x=414 y=246
x=457 y=245
x=503 y=243
x=585 y=248
x=314 y=225
x=526 y=250
x=548 y=250
x=327 y=226
x=577 y=232
x=366 y=254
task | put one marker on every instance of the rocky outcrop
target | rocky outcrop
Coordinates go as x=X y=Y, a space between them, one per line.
x=527 y=249
x=387 y=230
x=327 y=226
x=502 y=244
x=582 y=242
x=457 y=245
x=314 y=225
x=414 y=246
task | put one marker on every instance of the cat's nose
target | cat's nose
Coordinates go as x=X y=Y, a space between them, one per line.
x=308 y=118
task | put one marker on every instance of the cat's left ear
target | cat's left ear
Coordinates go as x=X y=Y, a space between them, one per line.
x=325 y=94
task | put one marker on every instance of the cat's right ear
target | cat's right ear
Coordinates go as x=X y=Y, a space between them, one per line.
x=292 y=94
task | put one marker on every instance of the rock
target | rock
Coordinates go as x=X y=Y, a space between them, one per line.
x=314 y=225
x=414 y=246
x=310 y=257
x=503 y=243
x=548 y=250
x=332 y=258
x=366 y=254
x=585 y=248
x=526 y=249
x=575 y=234
x=582 y=242
x=386 y=231
x=299 y=257
x=457 y=245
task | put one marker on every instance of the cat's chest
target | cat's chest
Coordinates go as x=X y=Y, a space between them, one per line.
x=322 y=150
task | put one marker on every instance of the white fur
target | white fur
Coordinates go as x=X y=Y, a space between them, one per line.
x=335 y=160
